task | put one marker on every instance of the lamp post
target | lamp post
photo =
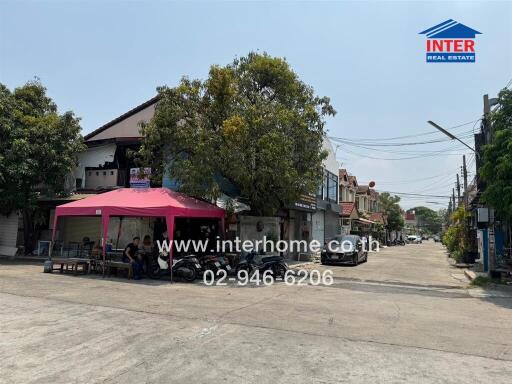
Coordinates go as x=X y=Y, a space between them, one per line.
x=451 y=136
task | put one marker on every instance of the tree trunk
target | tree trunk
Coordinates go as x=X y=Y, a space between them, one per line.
x=28 y=230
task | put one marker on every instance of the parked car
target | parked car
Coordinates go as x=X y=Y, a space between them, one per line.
x=413 y=239
x=344 y=249
x=437 y=239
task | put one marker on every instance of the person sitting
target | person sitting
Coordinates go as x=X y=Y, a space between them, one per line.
x=130 y=256
x=147 y=245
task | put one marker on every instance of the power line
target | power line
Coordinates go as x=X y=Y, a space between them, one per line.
x=417 y=194
x=443 y=150
x=412 y=135
x=401 y=158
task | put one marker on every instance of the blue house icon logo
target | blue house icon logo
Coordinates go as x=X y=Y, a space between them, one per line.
x=450 y=42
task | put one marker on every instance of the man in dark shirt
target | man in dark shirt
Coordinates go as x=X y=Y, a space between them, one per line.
x=129 y=256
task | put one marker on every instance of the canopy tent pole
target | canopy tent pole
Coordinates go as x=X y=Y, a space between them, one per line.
x=222 y=227
x=105 y=219
x=170 y=238
x=119 y=231
x=55 y=219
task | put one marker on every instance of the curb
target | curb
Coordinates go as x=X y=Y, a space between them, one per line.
x=23 y=258
x=470 y=274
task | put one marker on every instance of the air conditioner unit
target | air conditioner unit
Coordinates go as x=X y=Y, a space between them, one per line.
x=483 y=215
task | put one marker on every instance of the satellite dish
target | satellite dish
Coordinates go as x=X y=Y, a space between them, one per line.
x=372 y=184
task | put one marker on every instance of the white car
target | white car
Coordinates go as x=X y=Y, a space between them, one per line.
x=414 y=239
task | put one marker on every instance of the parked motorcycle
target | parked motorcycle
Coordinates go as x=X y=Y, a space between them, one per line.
x=260 y=262
x=186 y=267
x=214 y=263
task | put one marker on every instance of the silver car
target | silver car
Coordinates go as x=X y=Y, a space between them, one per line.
x=344 y=249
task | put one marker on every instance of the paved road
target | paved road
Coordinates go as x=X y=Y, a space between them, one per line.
x=405 y=316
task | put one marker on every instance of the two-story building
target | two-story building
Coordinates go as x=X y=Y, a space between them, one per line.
x=348 y=190
x=325 y=221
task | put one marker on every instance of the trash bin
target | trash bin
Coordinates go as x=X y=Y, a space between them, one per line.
x=48 y=266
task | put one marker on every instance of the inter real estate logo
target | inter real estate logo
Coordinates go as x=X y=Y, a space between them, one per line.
x=450 y=42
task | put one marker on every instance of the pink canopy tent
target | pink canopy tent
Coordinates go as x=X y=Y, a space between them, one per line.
x=159 y=202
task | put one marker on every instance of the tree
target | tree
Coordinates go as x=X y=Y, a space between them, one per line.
x=496 y=170
x=39 y=149
x=252 y=122
x=456 y=237
x=428 y=219
x=392 y=210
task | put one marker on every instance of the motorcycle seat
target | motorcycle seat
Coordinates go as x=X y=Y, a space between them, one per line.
x=269 y=259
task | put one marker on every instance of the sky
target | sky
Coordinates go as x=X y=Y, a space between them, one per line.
x=102 y=58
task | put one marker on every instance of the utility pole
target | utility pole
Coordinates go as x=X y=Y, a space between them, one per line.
x=458 y=190
x=465 y=176
x=453 y=199
x=488 y=127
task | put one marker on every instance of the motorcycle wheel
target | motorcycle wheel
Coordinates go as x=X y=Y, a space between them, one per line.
x=279 y=270
x=212 y=267
x=153 y=271
x=243 y=268
x=192 y=276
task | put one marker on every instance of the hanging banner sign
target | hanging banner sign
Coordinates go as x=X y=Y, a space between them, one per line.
x=138 y=181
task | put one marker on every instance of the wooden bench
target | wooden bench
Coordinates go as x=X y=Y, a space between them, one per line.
x=77 y=265
x=120 y=265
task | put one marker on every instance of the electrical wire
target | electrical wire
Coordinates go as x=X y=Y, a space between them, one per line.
x=413 y=135
x=416 y=194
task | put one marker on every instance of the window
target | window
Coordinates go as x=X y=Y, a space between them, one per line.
x=332 y=186
x=329 y=189
x=325 y=185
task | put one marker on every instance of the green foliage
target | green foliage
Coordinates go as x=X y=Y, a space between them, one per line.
x=253 y=122
x=496 y=168
x=456 y=238
x=430 y=220
x=39 y=146
x=392 y=209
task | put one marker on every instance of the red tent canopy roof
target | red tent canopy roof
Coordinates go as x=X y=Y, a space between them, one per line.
x=140 y=202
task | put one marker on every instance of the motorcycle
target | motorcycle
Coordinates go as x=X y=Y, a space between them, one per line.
x=258 y=262
x=214 y=263
x=186 y=267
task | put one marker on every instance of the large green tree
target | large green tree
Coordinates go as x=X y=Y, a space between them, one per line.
x=253 y=122
x=496 y=168
x=391 y=207
x=429 y=219
x=38 y=150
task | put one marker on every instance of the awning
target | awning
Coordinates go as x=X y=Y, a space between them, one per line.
x=226 y=202
x=139 y=202
x=364 y=221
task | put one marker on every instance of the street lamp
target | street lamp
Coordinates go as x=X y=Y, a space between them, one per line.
x=451 y=136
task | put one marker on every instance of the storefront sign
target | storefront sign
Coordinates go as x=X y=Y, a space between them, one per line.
x=306 y=202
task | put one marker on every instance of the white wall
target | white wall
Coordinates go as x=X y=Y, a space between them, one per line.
x=330 y=163
x=249 y=231
x=8 y=234
x=128 y=127
x=318 y=226
x=94 y=157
